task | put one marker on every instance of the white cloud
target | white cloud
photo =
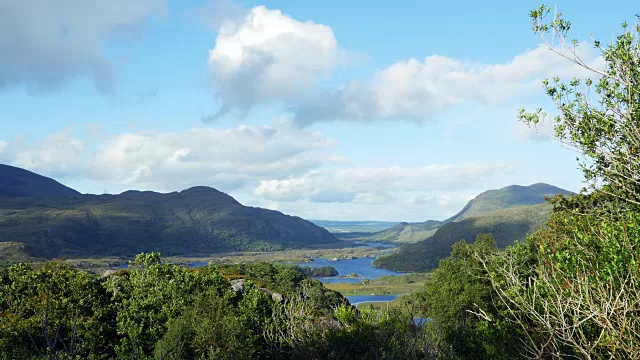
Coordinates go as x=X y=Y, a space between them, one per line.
x=45 y=43
x=57 y=154
x=223 y=158
x=419 y=90
x=268 y=55
x=380 y=185
x=226 y=159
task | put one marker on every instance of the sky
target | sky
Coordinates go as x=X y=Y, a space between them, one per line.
x=341 y=110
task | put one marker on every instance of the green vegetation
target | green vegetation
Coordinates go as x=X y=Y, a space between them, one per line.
x=13 y=252
x=571 y=290
x=324 y=271
x=155 y=310
x=403 y=284
x=402 y=233
x=488 y=201
x=505 y=226
x=196 y=221
x=507 y=197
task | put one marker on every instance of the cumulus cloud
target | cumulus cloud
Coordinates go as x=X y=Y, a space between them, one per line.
x=57 y=154
x=45 y=43
x=374 y=185
x=223 y=158
x=419 y=90
x=268 y=55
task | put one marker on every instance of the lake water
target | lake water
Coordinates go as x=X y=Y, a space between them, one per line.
x=360 y=266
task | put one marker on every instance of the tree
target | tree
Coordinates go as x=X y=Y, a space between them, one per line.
x=579 y=298
x=453 y=298
x=54 y=312
x=600 y=117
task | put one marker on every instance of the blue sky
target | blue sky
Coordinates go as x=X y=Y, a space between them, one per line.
x=338 y=110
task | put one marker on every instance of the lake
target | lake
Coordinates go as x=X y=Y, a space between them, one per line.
x=360 y=266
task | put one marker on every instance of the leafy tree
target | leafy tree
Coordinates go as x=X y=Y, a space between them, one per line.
x=600 y=117
x=459 y=301
x=149 y=295
x=54 y=312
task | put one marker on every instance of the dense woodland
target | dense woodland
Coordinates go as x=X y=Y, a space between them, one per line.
x=569 y=290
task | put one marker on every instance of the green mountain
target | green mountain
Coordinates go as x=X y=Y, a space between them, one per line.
x=510 y=196
x=509 y=214
x=488 y=201
x=402 y=233
x=506 y=225
x=16 y=182
x=199 y=220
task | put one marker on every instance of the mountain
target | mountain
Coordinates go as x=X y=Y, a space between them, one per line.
x=506 y=226
x=488 y=201
x=200 y=220
x=402 y=233
x=510 y=196
x=16 y=182
x=509 y=214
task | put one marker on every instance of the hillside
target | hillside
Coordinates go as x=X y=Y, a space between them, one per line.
x=402 y=233
x=200 y=220
x=492 y=200
x=506 y=225
x=510 y=196
x=16 y=182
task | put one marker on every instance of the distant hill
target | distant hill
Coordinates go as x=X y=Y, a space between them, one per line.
x=508 y=214
x=200 y=220
x=506 y=225
x=510 y=196
x=402 y=233
x=337 y=227
x=492 y=200
x=17 y=182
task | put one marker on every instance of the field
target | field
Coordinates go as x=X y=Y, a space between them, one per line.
x=383 y=285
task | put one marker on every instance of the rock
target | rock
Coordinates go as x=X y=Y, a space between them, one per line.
x=108 y=273
x=277 y=297
x=265 y=291
x=237 y=285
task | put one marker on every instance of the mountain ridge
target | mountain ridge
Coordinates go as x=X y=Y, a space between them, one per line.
x=487 y=201
x=198 y=220
x=18 y=182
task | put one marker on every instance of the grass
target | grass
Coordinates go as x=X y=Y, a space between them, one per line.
x=384 y=285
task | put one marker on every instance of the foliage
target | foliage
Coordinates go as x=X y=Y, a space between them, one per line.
x=573 y=287
x=164 y=311
x=600 y=117
x=54 y=312
x=151 y=294
x=454 y=297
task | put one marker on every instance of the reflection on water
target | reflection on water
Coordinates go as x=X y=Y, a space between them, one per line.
x=360 y=266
